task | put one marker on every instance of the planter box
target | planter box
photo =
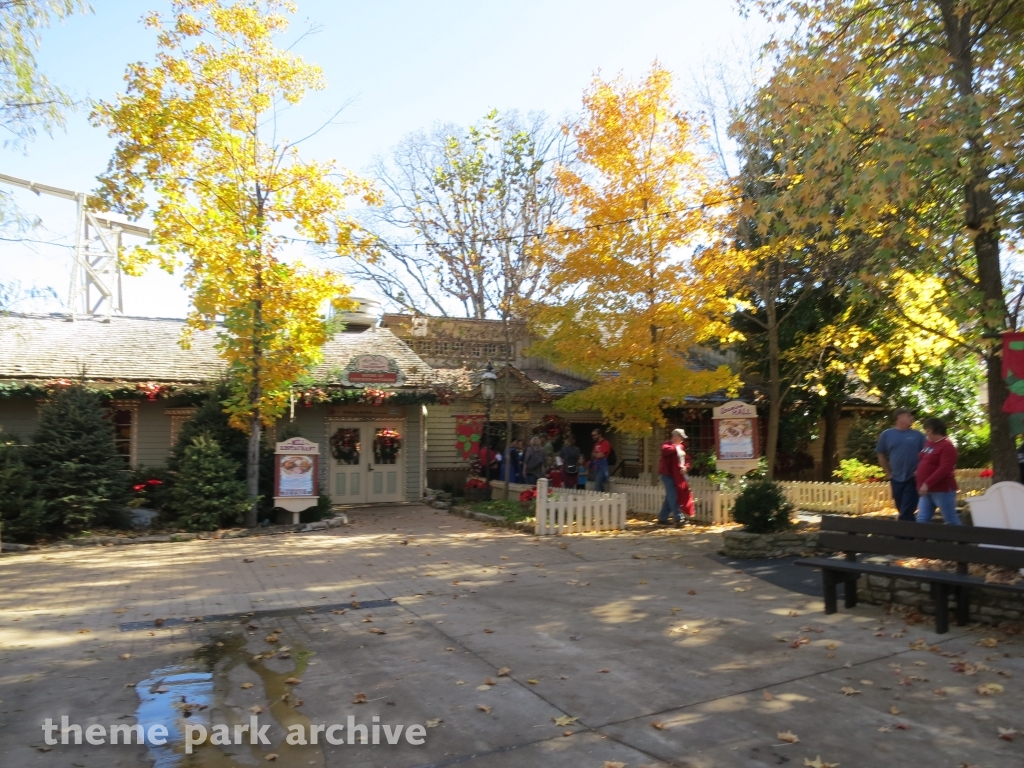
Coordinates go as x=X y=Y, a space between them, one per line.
x=478 y=494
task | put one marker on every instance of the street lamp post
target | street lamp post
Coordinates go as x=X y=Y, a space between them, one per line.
x=487 y=381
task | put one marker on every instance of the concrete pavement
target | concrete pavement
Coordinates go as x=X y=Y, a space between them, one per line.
x=600 y=633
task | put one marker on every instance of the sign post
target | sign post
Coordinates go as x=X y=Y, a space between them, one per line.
x=737 y=448
x=296 y=470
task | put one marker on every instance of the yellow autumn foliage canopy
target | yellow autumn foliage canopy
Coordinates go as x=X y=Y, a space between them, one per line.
x=196 y=135
x=629 y=307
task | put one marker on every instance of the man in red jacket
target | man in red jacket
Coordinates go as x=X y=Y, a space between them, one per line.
x=672 y=468
x=936 y=483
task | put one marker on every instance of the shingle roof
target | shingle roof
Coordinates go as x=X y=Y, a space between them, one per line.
x=44 y=347
x=555 y=384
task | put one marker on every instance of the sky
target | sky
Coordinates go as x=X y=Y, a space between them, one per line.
x=396 y=67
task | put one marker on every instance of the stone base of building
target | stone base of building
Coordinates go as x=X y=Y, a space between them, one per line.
x=987 y=606
x=743 y=545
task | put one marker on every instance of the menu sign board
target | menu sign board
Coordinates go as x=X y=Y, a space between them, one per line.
x=296 y=468
x=736 y=432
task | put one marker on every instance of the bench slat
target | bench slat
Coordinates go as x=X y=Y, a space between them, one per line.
x=945 y=577
x=931 y=550
x=963 y=533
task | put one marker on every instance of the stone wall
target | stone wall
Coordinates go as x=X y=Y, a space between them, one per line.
x=743 y=545
x=987 y=606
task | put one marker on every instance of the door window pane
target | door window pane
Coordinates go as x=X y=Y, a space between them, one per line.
x=345 y=445
x=387 y=446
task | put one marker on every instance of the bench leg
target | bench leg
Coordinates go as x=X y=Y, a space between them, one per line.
x=941 y=592
x=850 y=590
x=828 y=587
x=963 y=606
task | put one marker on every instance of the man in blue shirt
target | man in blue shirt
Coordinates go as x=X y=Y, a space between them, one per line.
x=898 y=449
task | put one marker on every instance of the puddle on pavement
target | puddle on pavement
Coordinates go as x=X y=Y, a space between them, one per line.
x=195 y=692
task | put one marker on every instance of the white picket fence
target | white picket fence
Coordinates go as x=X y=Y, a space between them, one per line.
x=566 y=511
x=571 y=510
x=711 y=505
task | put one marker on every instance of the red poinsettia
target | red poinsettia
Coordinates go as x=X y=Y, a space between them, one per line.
x=476 y=482
x=985 y=473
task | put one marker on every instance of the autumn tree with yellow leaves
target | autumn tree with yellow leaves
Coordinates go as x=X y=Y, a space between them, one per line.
x=629 y=307
x=196 y=135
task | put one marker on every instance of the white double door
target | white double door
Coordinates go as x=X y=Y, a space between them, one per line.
x=367 y=462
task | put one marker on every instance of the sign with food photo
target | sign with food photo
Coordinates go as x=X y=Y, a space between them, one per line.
x=295 y=476
x=736 y=432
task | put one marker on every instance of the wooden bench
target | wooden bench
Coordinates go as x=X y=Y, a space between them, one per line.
x=955 y=543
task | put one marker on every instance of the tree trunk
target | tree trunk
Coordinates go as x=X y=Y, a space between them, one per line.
x=252 y=470
x=981 y=218
x=830 y=439
x=774 y=389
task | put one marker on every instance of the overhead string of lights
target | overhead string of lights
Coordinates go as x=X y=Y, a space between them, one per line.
x=539 y=235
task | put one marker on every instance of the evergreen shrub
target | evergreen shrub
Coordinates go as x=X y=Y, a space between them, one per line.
x=22 y=513
x=78 y=474
x=207 y=493
x=762 y=507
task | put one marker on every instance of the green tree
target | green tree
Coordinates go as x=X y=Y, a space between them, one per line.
x=22 y=512
x=207 y=493
x=79 y=475
x=916 y=106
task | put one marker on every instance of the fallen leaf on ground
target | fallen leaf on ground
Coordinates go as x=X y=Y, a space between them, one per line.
x=84 y=631
x=271 y=757
x=489 y=631
x=120 y=610
x=787 y=736
x=767 y=696
x=460 y=682
x=533 y=681
x=613 y=764
x=126 y=655
x=988 y=642
x=246 y=686
x=691 y=592
x=359 y=698
x=604 y=670
x=740 y=589
x=483 y=708
x=247 y=560
x=483 y=687
x=272 y=638
x=939 y=691
x=849 y=691
x=988 y=689
x=817 y=763
x=1007 y=734
x=435 y=722
x=894 y=710
x=292 y=681
x=504 y=672
x=256 y=709
x=377 y=631
x=658 y=724
x=564 y=720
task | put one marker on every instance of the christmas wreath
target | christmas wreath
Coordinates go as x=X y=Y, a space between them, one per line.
x=386 y=445
x=345 y=446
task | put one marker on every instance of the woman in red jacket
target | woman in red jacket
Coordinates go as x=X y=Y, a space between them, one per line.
x=936 y=484
x=672 y=469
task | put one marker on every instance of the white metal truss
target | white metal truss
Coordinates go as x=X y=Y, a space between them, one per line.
x=95 y=267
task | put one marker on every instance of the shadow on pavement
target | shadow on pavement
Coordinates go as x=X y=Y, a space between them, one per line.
x=779 y=571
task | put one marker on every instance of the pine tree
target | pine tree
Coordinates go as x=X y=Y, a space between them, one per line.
x=211 y=420
x=79 y=475
x=22 y=512
x=207 y=493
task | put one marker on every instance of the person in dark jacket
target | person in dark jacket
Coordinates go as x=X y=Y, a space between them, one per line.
x=534 y=461
x=672 y=468
x=936 y=483
x=570 y=456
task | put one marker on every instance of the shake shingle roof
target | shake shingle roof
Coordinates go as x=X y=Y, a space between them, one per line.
x=44 y=347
